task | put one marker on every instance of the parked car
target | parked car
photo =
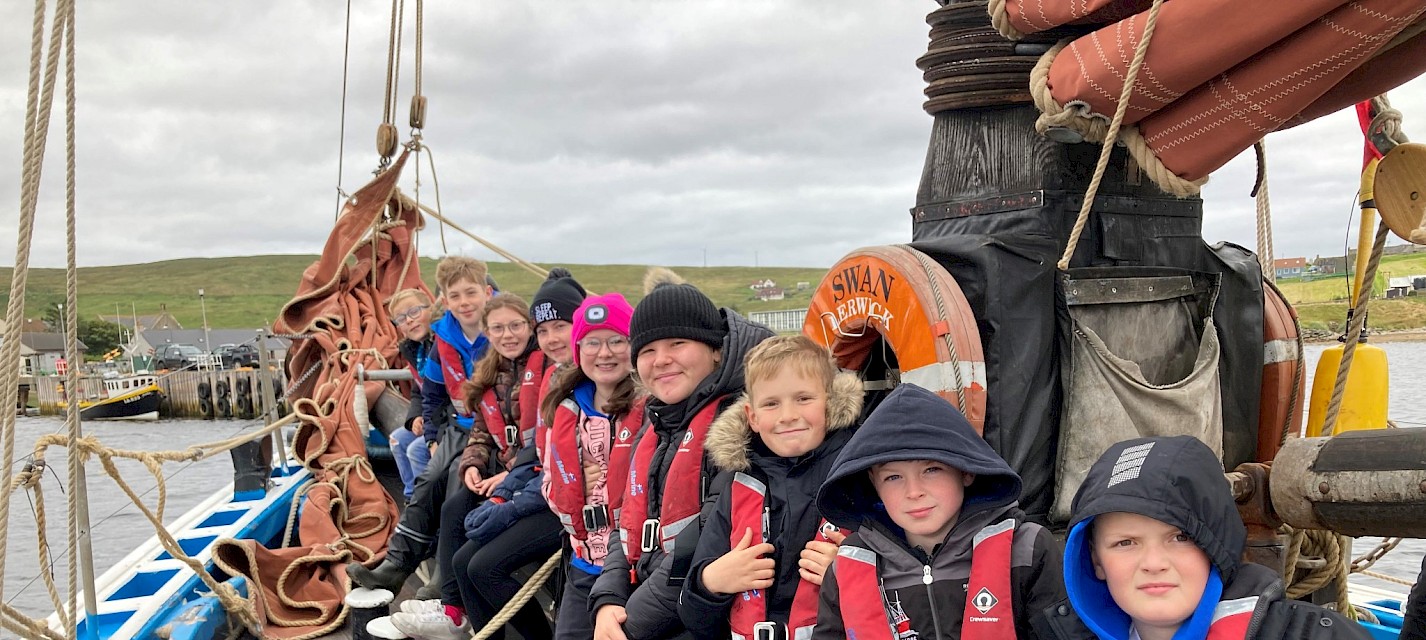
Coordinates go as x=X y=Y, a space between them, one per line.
x=176 y=356
x=237 y=355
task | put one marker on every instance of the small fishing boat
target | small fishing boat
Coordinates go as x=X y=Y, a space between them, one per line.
x=132 y=397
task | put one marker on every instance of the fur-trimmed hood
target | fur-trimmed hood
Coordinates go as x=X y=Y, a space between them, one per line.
x=730 y=436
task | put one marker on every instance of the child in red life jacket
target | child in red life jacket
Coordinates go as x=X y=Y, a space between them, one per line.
x=593 y=411
x=941 y=549
x=1154 y=553
x=488 y=469
x=458 y=343
x=764 y=546
x=689 y=355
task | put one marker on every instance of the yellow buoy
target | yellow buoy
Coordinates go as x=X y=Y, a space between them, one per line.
x=1364 y=405
x=1365 y=399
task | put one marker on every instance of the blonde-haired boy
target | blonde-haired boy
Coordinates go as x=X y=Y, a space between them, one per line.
x=764 y=546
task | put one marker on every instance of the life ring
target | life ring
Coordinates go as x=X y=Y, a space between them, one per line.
x=895 y=296
x=1284 y=375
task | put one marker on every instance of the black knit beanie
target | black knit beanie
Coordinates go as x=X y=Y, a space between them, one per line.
x=676 y=311
x=559 y=295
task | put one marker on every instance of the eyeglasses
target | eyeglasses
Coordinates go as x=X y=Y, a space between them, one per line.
x=617 y=345
x=409 y=314
x=497 y=330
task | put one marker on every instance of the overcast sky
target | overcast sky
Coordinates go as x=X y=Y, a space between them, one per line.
x=585 y=132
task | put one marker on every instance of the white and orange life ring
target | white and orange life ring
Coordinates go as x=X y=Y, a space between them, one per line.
x=1284 y=375
x=900 y=294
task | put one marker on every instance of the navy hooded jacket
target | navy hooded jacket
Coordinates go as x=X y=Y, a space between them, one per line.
x=912 y=423
x=1179 y=481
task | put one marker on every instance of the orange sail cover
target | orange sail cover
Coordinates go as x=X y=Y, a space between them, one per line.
x=1218 y=74
x=347 y=516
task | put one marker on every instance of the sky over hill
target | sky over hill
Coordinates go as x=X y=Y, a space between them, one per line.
x=719 y=132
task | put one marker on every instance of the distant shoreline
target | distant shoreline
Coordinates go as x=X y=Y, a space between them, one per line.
x=1397 y=335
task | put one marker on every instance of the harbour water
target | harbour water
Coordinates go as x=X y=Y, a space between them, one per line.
x=118 y=525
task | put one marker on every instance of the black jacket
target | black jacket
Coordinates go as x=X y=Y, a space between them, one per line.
x=1413 y=624
x=652 y=604
x=912 y=423
x=1179 y=481
x=792 y=515
x=415 y=354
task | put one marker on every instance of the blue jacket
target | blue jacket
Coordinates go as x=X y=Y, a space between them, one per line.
x=1178 y=481
x=436 y=407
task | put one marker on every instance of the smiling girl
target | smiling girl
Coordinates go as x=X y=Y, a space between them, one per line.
x=594 y=410
x=689 y=355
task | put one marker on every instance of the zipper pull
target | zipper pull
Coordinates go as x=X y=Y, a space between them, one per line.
x=926 y=575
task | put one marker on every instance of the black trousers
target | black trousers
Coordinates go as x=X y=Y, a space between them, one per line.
x=573 y=621
x=450 y=536
x=416 y=532
x=484 y=572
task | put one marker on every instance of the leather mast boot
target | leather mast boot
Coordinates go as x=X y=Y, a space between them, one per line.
x=387 y=575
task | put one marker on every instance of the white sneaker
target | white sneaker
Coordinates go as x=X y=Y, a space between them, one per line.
x=431 y=625
x=422 y=606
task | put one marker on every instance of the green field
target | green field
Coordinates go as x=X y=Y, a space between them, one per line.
x=248 y=292
x=1322 y=304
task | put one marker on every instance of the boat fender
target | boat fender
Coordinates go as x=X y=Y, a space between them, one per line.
x=1284 y=375
x=204 y=391
x=895 y=296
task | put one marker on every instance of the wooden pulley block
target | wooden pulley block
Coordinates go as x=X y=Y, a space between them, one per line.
x=386 y=137
x=1400 y=191
x=418 y=112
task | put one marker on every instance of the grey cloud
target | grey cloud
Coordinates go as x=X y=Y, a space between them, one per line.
x=616 y=131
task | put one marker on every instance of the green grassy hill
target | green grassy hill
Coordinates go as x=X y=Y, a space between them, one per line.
x=1322 y=303
x=247 y=292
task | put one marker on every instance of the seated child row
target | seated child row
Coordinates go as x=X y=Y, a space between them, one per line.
x=697 y=509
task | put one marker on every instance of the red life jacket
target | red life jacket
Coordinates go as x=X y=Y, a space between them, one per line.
x=564 y=464
x=682 y=489
x=987 y=615
x=542 y=430
x=511 y=437
x=1231 y=618
x=748 y=619
x=454 y=371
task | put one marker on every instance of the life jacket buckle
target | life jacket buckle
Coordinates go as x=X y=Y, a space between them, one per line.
x=650 y=539
x=767 y=630
x=596 y=516
x=512 y=437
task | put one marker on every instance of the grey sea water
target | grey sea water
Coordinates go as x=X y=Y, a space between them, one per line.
x=119 y=526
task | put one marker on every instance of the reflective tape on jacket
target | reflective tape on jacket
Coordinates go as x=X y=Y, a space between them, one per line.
x=641 y=529
x=454 y=372
x=512 y=435
x=564 y=464
x=749 y=511
x=1231 y=618
x=988 y=613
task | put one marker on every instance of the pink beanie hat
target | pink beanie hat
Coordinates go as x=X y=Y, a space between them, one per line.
x=609 y=311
